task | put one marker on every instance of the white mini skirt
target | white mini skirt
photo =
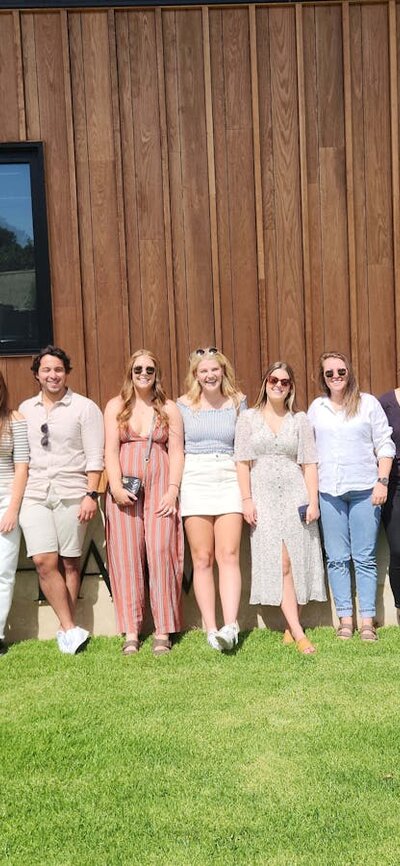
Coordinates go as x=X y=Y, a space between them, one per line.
x=210 y=486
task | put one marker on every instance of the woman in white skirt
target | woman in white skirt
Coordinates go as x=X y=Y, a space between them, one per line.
x=211 y=503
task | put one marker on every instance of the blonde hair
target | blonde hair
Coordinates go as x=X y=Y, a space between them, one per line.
x=228 y=385
x=290 y=398
x=127 y=392
x=352 y=396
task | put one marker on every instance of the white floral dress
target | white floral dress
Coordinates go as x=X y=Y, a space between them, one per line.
x=278 y=488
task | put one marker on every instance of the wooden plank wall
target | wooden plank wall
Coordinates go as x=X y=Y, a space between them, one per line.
x=223 y=176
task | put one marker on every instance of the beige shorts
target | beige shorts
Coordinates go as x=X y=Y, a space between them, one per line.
x=51 y=525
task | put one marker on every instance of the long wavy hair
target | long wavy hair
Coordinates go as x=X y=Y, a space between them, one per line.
x=352 y=396
x=229 y=387
x=5 y=411
x=290 y=399
x=159 y=397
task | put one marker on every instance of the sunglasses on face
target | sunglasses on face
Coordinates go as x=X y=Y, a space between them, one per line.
x=148 y=370
x=273 y=380
x=45 y=438
x=210 y=351
x=329 y=374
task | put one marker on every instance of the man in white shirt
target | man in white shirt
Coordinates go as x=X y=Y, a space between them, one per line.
x=66 y=443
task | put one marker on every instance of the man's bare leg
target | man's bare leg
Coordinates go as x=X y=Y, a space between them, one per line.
x=54 y=587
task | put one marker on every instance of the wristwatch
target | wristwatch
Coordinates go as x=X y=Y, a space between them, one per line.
x=93 y=495
x=384 y=481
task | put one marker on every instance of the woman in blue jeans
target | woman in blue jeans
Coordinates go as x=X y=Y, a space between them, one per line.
x=355 y=454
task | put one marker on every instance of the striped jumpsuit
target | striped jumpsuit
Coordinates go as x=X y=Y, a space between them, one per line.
x=136 y=534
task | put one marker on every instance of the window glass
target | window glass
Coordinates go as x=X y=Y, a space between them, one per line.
x=25 y=302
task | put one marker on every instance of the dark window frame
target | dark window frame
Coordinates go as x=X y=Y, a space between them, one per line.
x=31 y=152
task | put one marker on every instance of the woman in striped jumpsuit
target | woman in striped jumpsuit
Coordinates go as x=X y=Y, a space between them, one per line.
x=147 y=527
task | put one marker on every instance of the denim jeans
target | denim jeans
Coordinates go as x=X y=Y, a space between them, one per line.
x=350 y=525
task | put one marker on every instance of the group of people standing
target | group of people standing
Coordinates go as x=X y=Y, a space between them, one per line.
x=211 y=461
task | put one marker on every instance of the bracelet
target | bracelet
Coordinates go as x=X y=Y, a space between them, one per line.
x=246 y=498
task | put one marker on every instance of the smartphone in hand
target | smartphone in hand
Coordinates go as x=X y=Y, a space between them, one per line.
x=302 y=509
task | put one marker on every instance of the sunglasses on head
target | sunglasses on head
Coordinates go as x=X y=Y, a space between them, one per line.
x=148 y=370
x=329 y=374
x=273 y=380
x=212 y=350
x=45 y=438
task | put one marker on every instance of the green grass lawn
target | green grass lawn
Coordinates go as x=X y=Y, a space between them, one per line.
x=260 y=757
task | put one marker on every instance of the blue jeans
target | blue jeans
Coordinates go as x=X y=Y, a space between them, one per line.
x=350 y=526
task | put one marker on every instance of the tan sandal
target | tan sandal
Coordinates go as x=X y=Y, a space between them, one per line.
x=344 y=632
x=161 y=646
x=130 y=647
x=305 y=647
x=368 y=632
x=288 y=639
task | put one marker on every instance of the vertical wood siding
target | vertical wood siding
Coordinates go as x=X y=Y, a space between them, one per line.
x=223 y=176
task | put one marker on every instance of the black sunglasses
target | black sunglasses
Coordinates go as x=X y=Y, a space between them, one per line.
x=45 y=438
x=212 y=350
x=149 y=370
x=329 y=374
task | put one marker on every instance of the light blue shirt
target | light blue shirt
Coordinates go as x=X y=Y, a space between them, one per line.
x=210 y=431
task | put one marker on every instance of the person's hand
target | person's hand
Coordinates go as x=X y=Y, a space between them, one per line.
x=250 y=512
x=379 y=494
x=167 y=504
x=9 y=520
x=312 y=513
x=122 y=498
x=87 y=510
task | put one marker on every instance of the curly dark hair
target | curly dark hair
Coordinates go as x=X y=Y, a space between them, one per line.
x=57 y=353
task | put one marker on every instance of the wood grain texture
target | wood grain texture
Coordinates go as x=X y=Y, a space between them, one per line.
x=305 y=217
x=108 y=295
x=52 y=85
x=358 y=138
x=379 y=226
x=351 y=241
x=9 y=115
x=239 y=168
x=20 y=76
x=214 y=175
x=285 y=125
x=271 y=350
x=394 y=130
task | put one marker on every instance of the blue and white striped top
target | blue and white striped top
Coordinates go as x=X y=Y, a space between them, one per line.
x=210 y=431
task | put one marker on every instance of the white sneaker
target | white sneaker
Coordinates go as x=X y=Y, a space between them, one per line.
x=212 y=639
x=73 y=640
x=227 y=636
x=60 y=638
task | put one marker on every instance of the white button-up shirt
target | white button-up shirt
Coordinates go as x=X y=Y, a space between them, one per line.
x=349 y=448
x=75 y=445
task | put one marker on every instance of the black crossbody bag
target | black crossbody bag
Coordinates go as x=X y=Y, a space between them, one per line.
x=131 y=483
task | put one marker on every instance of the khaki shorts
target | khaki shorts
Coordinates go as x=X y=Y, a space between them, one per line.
x=51 y=525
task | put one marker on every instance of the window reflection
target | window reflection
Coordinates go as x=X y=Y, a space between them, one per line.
x=18 y=299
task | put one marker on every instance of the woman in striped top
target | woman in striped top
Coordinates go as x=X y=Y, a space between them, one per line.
x=14 y=459
x=210 y=497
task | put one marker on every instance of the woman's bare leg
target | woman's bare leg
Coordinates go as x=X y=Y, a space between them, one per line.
x=289 y=605
x=228 y=531
x=200 y=535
